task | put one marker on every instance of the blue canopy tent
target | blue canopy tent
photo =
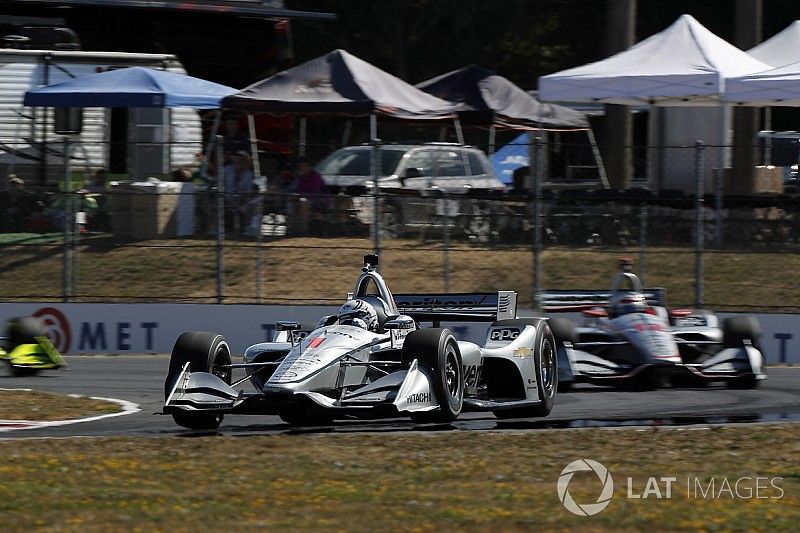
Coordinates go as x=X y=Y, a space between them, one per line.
x=510 y=157
x=130 y=87
x=133 y=87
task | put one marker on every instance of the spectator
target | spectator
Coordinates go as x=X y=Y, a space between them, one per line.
x=98 y=182
x=518 y=177
x=308 y=183
x=239 y=181
x=234 y=140
x=18 y=202
x=182 y=174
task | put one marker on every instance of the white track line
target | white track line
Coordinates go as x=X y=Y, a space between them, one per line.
x=128 y=408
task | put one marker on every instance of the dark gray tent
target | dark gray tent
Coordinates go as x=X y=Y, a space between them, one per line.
x=494 y=97
x=339 y=83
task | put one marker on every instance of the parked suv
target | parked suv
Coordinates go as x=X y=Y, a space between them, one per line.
x=425 y=185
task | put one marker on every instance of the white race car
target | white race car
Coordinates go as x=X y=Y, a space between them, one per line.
x=629 y=339
x=372 y=360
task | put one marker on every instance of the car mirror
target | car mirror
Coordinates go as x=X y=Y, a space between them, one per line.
x=285 y=325
x=400 y=322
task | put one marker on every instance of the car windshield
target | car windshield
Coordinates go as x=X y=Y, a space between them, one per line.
x=355 y=162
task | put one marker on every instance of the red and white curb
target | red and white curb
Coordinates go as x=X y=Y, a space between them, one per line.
x=128 y=408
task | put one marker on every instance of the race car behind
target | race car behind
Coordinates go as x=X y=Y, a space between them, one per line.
x=629 y=339
x=27 y=349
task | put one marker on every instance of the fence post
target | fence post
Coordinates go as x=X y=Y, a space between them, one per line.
x=220 y=220
x=375 y=164
x=643 y=242
x=535 y=158
x=445 y=203
x=69 y=220
x=699 y=230
x=251 y=125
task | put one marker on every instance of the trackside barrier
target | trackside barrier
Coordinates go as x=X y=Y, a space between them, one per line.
x=152 y=328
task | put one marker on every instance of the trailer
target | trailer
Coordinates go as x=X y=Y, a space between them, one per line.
x=134 y=143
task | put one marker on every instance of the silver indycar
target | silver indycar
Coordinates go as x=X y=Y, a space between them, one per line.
x=629 y=339
x=373 y=360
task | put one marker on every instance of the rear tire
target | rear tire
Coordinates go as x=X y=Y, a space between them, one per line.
x=24 y=330
x=205 y=352
x=749 y=382
x=437 y=350
x=564 y=330
x=737 y=329
x=545 y=360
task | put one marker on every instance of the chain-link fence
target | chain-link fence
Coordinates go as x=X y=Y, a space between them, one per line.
x=121 y=240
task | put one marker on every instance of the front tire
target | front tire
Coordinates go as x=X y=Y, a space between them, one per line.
x=204 y=352
x=436 y=349
x=546 y=365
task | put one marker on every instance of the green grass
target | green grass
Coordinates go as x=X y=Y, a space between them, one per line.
x=40 y=406
x=320 y=270
x=475 y=481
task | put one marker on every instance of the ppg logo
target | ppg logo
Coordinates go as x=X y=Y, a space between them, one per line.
x=504 y=334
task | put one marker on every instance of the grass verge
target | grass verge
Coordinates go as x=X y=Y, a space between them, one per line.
x=403 y=482
x=323 y=270
x=43 y=406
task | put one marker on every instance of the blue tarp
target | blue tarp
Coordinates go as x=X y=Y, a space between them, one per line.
x=130 y=87
x=510 y=157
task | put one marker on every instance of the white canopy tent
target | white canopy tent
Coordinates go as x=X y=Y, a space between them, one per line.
x=685 y=64
x=774 y=87
x=781 y=49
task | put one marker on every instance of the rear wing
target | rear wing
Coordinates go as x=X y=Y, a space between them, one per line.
x=454 y=307
x=555 y=301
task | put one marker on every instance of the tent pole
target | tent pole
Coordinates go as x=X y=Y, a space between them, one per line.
x=251 y=126
x=375 y=165
x=301 y=150
x=768 y=137
x=601 y=168
x=210 y=145
x=492 y=137
x=720 y=181
x=348 y=126
x=459 y=131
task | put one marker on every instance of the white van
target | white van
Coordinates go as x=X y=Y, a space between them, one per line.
x=137 y=142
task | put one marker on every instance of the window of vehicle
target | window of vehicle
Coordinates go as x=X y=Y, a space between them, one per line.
x=356 y=162
x=476 y=164
x=449 y=163
x=420 y=160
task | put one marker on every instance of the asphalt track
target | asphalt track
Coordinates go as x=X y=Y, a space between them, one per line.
x=139 y=379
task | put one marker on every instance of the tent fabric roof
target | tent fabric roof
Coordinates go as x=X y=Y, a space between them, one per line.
x=339 y=83
x=130 y=87
x=684 y=64
x=774 y=87
x=781 y=49
x=484 y=90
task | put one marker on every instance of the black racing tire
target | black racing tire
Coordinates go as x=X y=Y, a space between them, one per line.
x=564 y=330
x=436 y=349
x=744 y=382
x=205 y=352
x=737 y=329
x=24 y=330
x=565 y=386
x=546 y=363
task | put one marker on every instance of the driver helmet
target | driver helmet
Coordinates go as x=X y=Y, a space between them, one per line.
x=624 y=302
x=360 y=314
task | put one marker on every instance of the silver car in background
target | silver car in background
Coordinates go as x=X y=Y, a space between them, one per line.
x=425 y=184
